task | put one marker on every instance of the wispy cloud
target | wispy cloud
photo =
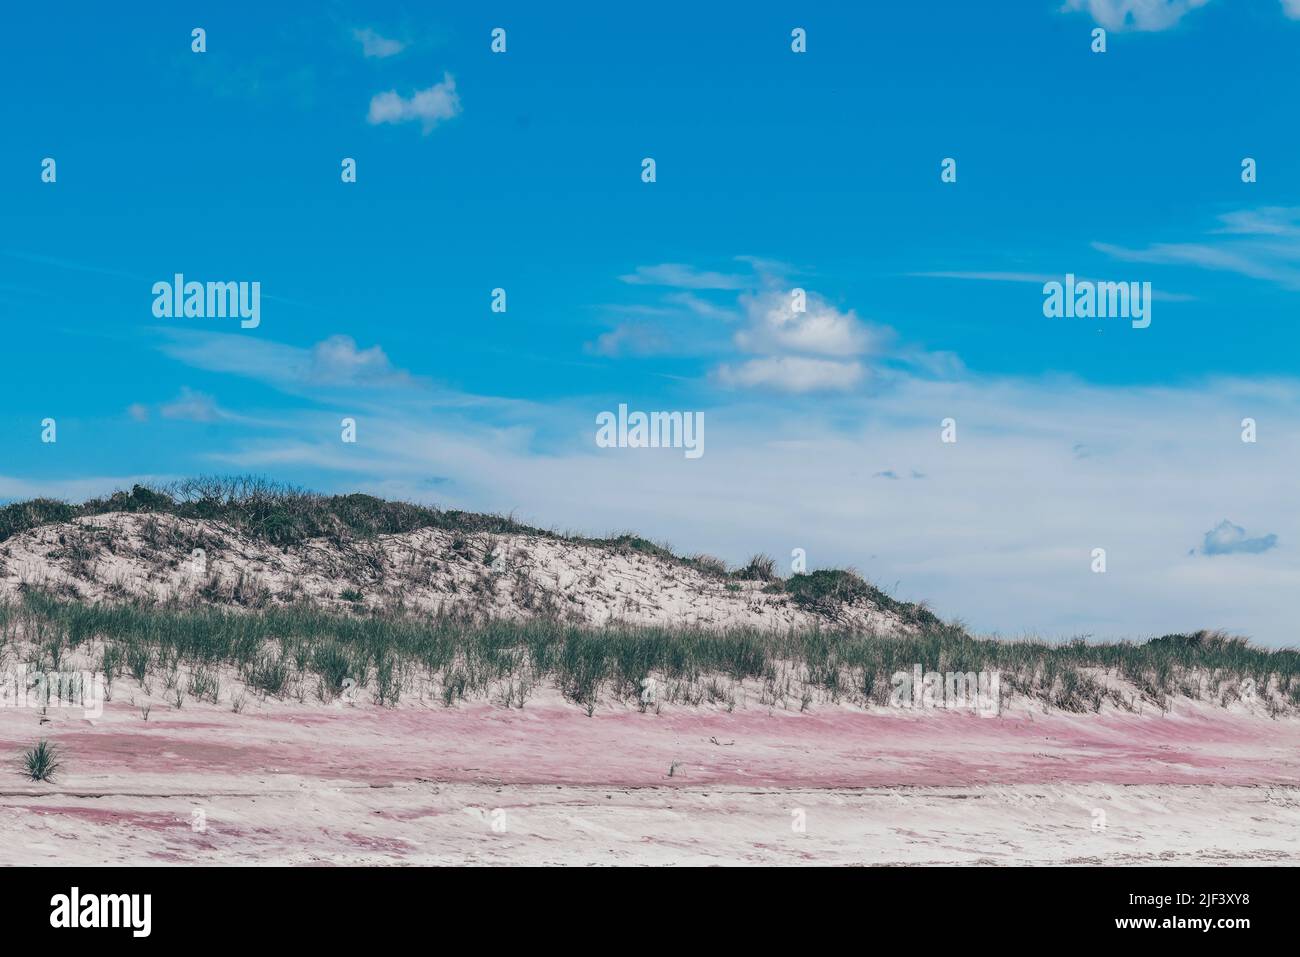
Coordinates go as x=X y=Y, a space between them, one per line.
x=796 y=374
x=683 y=276
x=635 y=339
x=986 y=276
x=191 y=405
x=678 y=324
x=701 y=307
x=1265 y=221
x=1260 y=244
x=430 y=107
x=60 y=263
x=1033 y=278
x=332 y=363
x=375 y=45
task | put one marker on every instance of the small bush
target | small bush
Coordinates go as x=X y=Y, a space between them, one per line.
x=761 y=568
x=826 y=590
x=268 y=674
x=710 y=565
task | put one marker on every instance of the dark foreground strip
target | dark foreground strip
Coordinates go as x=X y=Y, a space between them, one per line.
x=377 y=908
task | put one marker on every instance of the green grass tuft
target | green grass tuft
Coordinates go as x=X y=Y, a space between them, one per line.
x=41 y=762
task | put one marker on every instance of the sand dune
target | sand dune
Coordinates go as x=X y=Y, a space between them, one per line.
x=122 y=555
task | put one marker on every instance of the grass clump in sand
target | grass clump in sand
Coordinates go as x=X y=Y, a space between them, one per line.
x=41 y=762
x=299 y=649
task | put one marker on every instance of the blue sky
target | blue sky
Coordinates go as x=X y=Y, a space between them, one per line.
x=775 y=170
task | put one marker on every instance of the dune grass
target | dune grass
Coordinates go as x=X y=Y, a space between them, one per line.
x=287 y=650
x=263 y=509
x=41 y=762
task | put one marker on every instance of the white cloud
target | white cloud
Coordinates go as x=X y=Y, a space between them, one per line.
x=192 y=406
x=773 y=327
x=439 y=102
x=810 y=350
x=813 y=350
x=338 y=361
x=1147 y=15
x=795 y=374
x=1291 y=8
x=374 y=45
